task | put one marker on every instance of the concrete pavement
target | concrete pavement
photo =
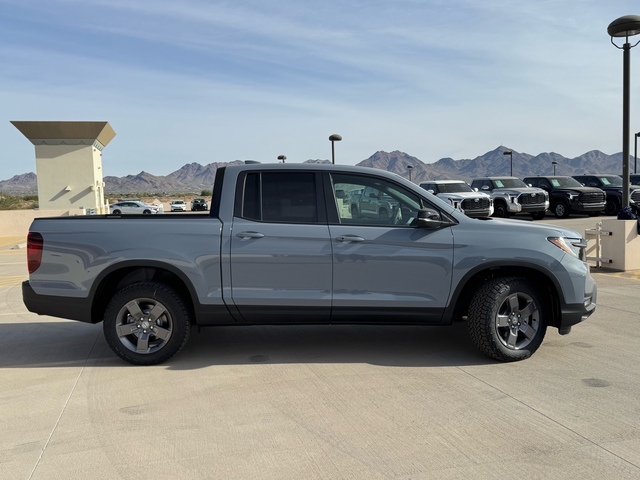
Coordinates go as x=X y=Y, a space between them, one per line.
x=320 y=402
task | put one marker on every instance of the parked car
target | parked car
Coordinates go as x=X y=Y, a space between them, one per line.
x=276 y=249
x=199 y=204
x=132 y=207
x=511 y=195
x=459 y=194
x=178 y=206
x=372 y=203
x=612 y=186
x=567 y=195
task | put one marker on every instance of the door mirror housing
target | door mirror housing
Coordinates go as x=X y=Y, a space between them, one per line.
x=429 y=218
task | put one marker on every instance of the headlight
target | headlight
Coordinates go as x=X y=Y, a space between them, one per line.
x=572 y=246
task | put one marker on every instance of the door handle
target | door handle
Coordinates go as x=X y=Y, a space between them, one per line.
x=250 y=235
x=349 y=238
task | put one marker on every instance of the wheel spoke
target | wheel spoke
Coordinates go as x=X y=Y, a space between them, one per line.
x=126 y=329
x=161 y=333
x=513 y=338
x=143 y=343
x=513 y=302
x=502 y=321
x=134 y=309
x=528 y=331
x=156 y=312
x=527 y=311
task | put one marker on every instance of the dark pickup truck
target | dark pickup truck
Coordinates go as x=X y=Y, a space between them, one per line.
x=612 y=186
x=567 y=195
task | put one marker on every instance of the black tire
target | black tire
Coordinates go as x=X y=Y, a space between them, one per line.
x=612 y=207
x=116 y=212
x=561 y=209
x=500 y=210
x=146 y=323
x=538 y=215
x=507 y=319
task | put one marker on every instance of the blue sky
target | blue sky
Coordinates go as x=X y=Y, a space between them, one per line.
x=214 y=81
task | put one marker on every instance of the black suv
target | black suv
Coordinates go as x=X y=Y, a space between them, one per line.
x=567 y=195
x=199 y=204
x=612 y=186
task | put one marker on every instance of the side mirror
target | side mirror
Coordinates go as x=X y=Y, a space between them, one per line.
x=428 y=218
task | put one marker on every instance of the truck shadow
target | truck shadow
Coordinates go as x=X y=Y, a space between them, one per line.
x=72 y=344
x=401 y=346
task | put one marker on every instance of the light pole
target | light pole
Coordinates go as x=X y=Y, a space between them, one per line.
x=510 y=153
x=635 y=155
x=409 y=167
x=282 y=158
x=626 y=27
x=554 y=167
x=334 y=138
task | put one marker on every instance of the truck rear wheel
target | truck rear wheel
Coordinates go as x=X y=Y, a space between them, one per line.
x=507 y=319
x=146 y=323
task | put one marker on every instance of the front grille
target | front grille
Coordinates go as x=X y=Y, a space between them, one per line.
x=531 y=199
x=476 y=204
x=593 y=197
x=635 y=196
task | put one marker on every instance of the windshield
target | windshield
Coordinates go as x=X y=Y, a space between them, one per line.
x=509 y=183
x=611 y=181
x=454 y=187
x=565 y=182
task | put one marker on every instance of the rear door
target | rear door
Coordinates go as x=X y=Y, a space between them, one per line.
x=280 y=258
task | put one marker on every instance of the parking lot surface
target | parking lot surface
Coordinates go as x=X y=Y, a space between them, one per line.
x=343 y=402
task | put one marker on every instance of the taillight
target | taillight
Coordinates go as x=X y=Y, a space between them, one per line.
x=34 y=251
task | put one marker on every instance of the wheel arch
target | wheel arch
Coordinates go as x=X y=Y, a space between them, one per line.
x=469 y=284
x=124 y=274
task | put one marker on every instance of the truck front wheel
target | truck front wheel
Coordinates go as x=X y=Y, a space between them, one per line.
x=146 y=323
x=561 y=209
x=612 y=207
x=507 y=319
x=500 y=210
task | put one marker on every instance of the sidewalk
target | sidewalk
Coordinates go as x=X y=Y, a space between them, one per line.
x=13 y=241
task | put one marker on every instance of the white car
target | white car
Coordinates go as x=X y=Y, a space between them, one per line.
x=178 y=206
x=132 y=206
x=459 y=194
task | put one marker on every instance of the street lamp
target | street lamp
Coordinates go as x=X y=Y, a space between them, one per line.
x=510 y=153
x=282 y=158
x=554 y=167
x=409 y=167
x=626 y=27
x=334 y=138
x=635 y=154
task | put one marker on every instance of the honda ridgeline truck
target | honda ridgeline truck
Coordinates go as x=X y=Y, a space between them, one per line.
x=280 y=246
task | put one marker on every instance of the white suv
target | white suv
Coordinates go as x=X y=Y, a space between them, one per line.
x=459 y=194
x=178 y=206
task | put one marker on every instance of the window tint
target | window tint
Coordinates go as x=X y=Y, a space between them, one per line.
x=288 y=197
x=362 y=200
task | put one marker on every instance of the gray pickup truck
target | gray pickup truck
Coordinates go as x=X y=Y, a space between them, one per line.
x=280 y=245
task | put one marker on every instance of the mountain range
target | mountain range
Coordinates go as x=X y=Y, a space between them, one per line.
x=193 y=177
